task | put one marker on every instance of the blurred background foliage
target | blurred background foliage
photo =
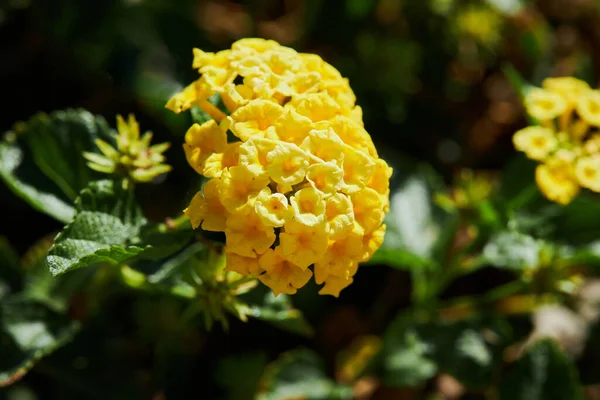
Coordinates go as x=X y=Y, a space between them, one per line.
x=436 y=80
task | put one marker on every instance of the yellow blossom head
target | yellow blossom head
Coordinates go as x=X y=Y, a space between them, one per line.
x=568 y=141
x=134 y=157
x=301 y=186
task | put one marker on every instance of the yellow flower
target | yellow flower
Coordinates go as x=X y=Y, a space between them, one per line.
x=238 y=185
x=544 y=105
x=253 y=153
x=293 y=127
x=287 y=164
x=273 y=208
x=309 y=206
x=358 y=168
x=380 y=182
x=206 y=208
x=372 y=242
x=334 y=285
x=368 y=209
x=217 y=162
x=303 y=245
x=246 y=235
x=317 y=106
x=241 y=265
x=588 y=107
x=587 y=171
x=304 y=184
x=340 y=215
x=324 y=144
x=536 y=142
x=556 y=181
x=187 y=98
x=326 y=177
x=133 y=157
x=281 y=275
x=254 y=118
x=341 y=257
x=568 y=87
x=201 y=141
x=352 y=134
x=236 y=96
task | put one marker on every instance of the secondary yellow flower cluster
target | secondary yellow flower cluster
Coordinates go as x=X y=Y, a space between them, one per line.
x=133 y=157
x=567 y=141
x=303 y=185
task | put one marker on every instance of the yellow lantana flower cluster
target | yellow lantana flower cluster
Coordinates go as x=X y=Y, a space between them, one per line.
x=302 y=184
x=567 y=141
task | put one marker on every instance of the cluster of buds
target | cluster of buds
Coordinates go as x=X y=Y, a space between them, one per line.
x=567 y=141
x=133 y=157
x=301 y=184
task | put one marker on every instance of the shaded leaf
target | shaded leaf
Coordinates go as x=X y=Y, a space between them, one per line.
x=543 y=372
x=29 y=331
x=299 y=374
x=247 y=370
x=471 y=351
x=278 y=311
x=26 y=181
x=57 y=142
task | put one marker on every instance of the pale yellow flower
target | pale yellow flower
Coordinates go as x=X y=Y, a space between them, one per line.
x=544 y=105
x=587 y=171
x=536 y=142
x=588 y=107
x=557 y=182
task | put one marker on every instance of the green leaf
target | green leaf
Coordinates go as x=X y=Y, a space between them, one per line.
x=29 y=331
x=418 y=231
x=299 y=374
x=513 y=250
x=278 y=311
x=544 y=372
x=26 y=181
x=57 y=142
x=517 y=183
x=579 y=222
x=247 y=370
x=41 y=159
x=407 y=359
x=106 y=228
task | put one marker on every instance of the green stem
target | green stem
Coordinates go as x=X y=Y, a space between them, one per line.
x=523 y=198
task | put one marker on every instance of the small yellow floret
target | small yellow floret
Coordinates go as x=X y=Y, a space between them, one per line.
x=206 y=209
x=557 y=182
x=568 y=87
x=536 y=142
x=241 y=265
x=309 y=206
x=238 y=185
x=281 y=275
x=544 y=105
x=246 y=234
x=303 y=245
x=273 y=208
x=588 y=107
x=587 y=171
